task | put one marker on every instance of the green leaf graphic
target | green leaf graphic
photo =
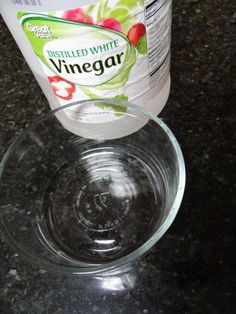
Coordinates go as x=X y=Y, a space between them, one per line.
x=117 y=108
x=121 y=14
x=141 y=2
x=128 y=3
x=142 y=45
x=131 y=3
x=89 y=9
x=103 y=10
x=20 y=14
x=52 y=13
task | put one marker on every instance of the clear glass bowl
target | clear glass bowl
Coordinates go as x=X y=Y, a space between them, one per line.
x=95 y=197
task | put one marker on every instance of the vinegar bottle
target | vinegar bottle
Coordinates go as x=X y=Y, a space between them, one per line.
x=85 y=49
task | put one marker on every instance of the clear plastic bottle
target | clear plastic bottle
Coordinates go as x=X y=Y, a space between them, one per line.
x=82 y=49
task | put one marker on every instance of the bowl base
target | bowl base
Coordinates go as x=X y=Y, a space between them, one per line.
x=103 y=204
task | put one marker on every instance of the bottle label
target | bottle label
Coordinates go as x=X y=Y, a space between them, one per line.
x=113 y=48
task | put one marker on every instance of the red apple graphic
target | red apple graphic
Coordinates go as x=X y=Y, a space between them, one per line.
x=135 y=33
x=77 y=15
x=111 y=23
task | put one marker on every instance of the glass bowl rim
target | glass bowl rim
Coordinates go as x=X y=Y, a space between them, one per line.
x=146 y=246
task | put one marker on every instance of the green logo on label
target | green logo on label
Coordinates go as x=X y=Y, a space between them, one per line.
x=87 y=55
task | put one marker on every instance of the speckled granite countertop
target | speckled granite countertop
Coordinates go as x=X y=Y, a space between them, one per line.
x=192 y=269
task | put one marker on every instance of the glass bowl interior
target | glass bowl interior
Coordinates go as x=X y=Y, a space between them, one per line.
x=92 y=194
